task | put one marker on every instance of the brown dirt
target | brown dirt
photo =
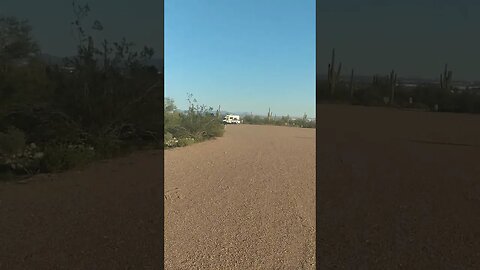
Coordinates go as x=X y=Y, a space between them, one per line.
x=243 y=201
x=397 y=189
x=104 y=217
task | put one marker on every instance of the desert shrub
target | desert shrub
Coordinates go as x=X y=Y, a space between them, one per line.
x=185 y=141
x=258 y=120
x=279 y=121
x=110 y=100
x=60 y=157
x=248 y=119
x=26 y=162
x=199 y=127
x=199 y=123
x=107 y=145
x=171 y=117
x=322 y=92
x=15 y=155
x=42 y=124
x=369 y=96
x=12 y=142
x=425 y=96
x=215 y=130
x=169 y=140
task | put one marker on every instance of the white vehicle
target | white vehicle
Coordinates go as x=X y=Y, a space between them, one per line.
x=231 y=119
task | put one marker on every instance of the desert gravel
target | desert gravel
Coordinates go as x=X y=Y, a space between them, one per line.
x=106 y=216
x=398 y=189
x=242 y=201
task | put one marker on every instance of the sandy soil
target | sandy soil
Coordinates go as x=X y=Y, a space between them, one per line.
x=397 y=189
x=243 y=201
x=104 y=217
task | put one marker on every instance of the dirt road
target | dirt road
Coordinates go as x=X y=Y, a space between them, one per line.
x=398 y=189
x=104 y=217
x=243 y=201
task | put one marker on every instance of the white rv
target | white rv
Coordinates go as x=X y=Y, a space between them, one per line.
x=231 y=119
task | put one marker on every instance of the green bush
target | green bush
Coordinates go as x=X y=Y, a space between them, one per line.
x=18 y=157
x=216 y=130
x=279 y=121
x=199 y=123
x=171 y=118
x=425 y=96
x=12 y=142
x=107 y=146
x=185 y=141
x=169 y=140
x=60 y=157
x=111 y=100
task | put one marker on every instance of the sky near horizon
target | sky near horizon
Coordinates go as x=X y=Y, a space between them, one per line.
x=414 y=37
x=244 y=55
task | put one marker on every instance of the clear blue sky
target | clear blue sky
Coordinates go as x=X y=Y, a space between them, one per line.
x=140 y=22
x=245 y=55
x=414 y=37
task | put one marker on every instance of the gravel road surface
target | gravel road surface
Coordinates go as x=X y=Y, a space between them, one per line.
x=242 y=201
x=104 y=217
x=398 y=189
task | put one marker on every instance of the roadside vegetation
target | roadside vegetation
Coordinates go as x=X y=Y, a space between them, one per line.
x=388 y=90
x=303 y=122
x=197 y=124
x=102 y=102
x=200 y=123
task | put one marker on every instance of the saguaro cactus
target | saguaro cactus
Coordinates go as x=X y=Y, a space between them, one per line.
x=218 y=112
x=375 y=80
x=446 y=78
x=351 y=84
x=393 y=84
x=333 y=76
